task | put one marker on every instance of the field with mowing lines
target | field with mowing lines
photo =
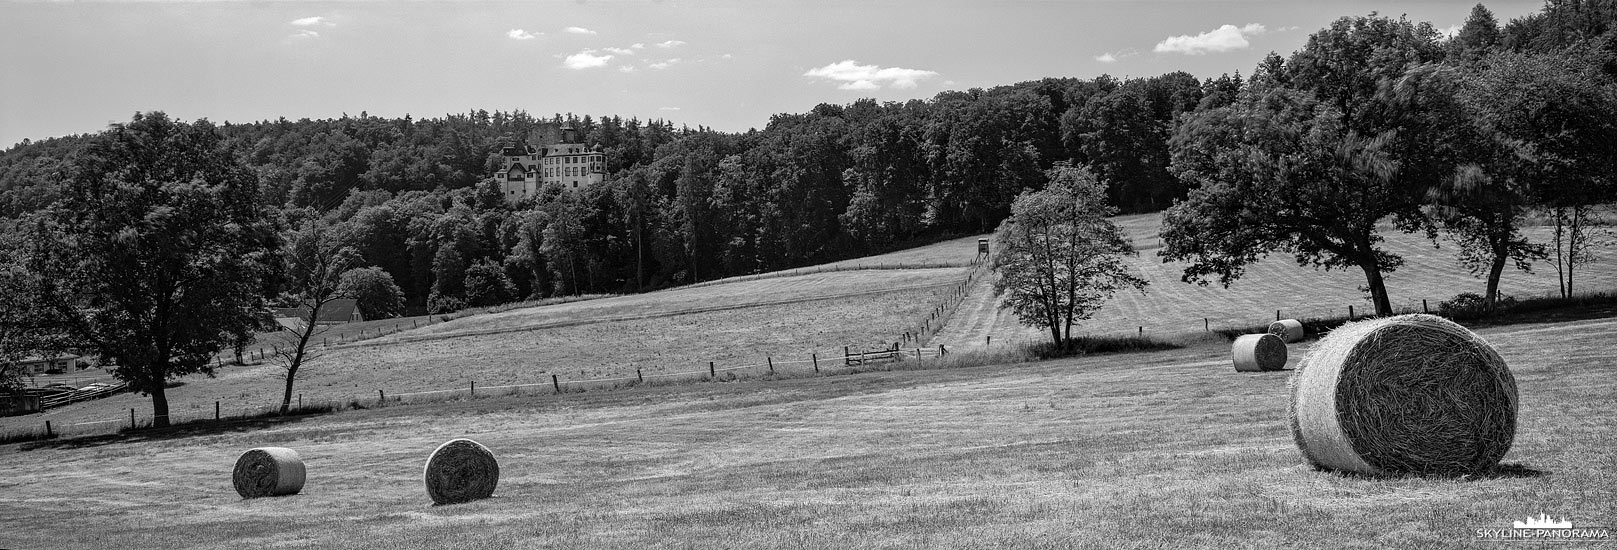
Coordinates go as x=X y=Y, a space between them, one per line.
x=680 y=301
x=1153 y=450
x=597 y=339
x=1171 y=306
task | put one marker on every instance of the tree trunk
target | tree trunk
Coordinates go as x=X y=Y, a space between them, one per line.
x=159 y=405
x=1494 y=272
x=1378 y=287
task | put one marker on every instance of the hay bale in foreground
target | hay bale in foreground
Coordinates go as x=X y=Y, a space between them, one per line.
x=461 y=470
x=1291 y=330
x=1259 y=352
x=1412 y=394
x=268 y=471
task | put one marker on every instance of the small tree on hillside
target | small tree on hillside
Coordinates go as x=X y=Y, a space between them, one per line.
x=317 y=254
x=1059 y=259
x=373 y=291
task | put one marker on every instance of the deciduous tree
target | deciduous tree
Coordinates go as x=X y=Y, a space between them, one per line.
x=161 y=251
x=1059 y=258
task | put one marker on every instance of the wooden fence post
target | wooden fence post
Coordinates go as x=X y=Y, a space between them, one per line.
x=1350 y=313
x=474 y=388
x=771 y=362
x=816 y=358
x=711 y=372
x=1277 y=315
x=48 y=429
x=1142 y=331
x=1207 y=326
x=216 y=408
x=131 y=419
x=941 y=351
x=556 y=383
x=1423 y=307
x=381 y=396
x=300 y=400
x=639 y=376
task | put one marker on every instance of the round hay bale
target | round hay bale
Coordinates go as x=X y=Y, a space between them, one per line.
x=1289 y=329
x=1259 y=352
x=461 y=470
x=1412 y=394
x=268 y=471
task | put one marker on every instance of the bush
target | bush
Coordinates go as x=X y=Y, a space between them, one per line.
x=1470 y=305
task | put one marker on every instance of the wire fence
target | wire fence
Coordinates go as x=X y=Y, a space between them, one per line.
x=849 y=360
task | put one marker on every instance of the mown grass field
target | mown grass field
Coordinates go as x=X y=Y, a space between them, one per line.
x=1158 y=450
x=1170 y=306
x=676 y=331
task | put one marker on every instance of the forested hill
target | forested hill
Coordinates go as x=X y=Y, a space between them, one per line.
x=415 y=197
x=683 y=204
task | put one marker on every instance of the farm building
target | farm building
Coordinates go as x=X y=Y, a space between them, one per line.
x=564 y=161
x=40 y=365
x=335 y=312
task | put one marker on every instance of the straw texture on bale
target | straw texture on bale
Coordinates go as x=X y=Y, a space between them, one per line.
x=1289 y=329
x=268 y=471
x=1259 y=352
x=1412 y=394
x=461 y=470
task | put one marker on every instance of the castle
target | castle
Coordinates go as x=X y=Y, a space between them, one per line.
x=565 y=162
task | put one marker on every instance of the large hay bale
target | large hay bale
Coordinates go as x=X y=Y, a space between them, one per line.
x=1412 y=394
x=268 y=471
x=1259 y=352
x=1289 y=329
x=461 y=470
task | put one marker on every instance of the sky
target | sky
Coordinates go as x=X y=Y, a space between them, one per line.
x=75 y=67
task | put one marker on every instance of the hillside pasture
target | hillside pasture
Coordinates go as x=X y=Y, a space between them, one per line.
x=1165 y=449
x=679 y=301
x=1171 y=306
x=602 y=348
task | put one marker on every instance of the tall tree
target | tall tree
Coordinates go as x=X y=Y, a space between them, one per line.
x=1279 y=172
x=1479 y=37
x=1556 y=117
x=161 y=251
x=1059 y=258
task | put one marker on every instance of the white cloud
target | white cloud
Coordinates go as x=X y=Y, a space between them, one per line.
x=1450 y=31
x=520 y=34
x=586 y=59
x=727 y=56
x=660 y=65
x=305 y=34
x=668 y=108
x=854 y=76
x=671 y=43
x=626 y=69
x=1106 y=58
x=620 y=51
x=1222 y=39
x=637 y=45
x=313 y=21
x=579 y=30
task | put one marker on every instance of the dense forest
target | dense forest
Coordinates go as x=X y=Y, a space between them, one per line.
x=414 y=197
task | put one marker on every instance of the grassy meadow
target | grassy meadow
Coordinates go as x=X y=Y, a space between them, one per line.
x=1173 y=307
x=1150 y=450
x=675 y=331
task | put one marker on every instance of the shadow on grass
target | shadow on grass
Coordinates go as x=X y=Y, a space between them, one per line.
x=1498 y=471
x=182 y=430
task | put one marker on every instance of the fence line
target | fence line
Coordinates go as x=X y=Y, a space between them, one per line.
x=240 y=412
